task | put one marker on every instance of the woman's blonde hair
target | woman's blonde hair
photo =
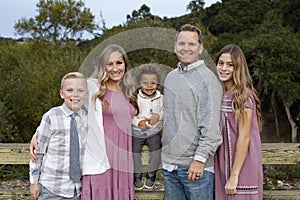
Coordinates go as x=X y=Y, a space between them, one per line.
x=126 y=83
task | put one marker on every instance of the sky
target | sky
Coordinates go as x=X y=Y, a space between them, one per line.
x=114 y=12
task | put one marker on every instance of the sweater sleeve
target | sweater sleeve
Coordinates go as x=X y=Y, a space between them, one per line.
x=161 y=109
x=208 y=116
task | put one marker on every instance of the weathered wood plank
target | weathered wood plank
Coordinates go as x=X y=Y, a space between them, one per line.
x=273 y=153
x=157 y=195
x=149 y=195
x=15 y=194
x=14 y=153
x=281 y=194
x=281 y=153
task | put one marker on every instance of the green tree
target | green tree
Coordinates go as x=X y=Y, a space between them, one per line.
x=196 y=6
x=291 y=14
x=30 y=76
x=8 y=66
x=273 y=53
x=8 y=132
x=58 y=20
x=235 y=16
x=140 y=15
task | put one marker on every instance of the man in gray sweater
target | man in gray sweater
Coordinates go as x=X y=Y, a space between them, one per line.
x=191 y=133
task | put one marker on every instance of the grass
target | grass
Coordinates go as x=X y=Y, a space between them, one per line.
x=9 y=172
x=273 y=173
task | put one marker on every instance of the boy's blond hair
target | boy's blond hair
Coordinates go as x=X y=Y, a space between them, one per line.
x=71 y=75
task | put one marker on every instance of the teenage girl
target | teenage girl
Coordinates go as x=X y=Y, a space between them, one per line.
x=238 y=161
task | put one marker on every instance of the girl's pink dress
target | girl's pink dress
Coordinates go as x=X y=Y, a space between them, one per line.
x=250 y=183
x=117 y=182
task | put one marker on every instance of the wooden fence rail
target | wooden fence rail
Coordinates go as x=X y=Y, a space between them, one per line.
x=273 y=153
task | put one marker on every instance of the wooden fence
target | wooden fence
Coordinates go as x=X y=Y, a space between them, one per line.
x=273 y=153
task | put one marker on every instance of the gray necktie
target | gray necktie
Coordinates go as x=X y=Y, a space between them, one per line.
x=75 y=171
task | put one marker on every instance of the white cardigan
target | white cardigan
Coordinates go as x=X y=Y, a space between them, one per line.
x=95 y=158
x=147 y=105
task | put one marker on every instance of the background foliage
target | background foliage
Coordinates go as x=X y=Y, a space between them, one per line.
x=58 y=20
x=267 y=31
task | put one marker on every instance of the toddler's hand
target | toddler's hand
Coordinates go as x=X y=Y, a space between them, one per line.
x=154 y=118
x=143 y=124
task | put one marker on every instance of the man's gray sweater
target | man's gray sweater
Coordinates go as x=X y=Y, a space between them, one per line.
x=192 y=101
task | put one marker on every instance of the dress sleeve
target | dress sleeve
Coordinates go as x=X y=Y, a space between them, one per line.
x=251 y=102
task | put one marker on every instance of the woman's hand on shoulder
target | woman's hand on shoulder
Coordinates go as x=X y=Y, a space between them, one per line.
x=33 y=147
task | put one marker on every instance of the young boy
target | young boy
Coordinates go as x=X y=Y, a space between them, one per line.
x=52 y=175
x=146 y=124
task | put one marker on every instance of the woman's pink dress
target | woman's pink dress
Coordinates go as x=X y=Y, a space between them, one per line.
x=117 y=182
x=250 y=181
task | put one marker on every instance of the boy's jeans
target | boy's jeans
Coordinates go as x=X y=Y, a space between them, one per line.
x=45 y=194
x=178 y=187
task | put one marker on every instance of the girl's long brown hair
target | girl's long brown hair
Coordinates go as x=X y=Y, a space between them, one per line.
x=126 y=82
x=243 y=83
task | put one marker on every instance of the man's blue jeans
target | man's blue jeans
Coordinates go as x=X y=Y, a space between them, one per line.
x=178 y=187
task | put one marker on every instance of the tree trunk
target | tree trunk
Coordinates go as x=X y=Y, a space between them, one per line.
x=292 y=123
x=275 y=115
